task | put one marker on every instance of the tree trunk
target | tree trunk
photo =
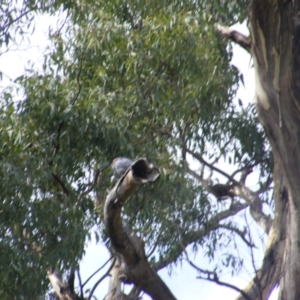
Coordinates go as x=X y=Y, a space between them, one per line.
x=275 y=51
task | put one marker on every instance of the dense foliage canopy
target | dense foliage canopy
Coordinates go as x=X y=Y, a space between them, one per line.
x=124 y=78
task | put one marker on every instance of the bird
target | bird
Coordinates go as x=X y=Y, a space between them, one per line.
x=120 y=165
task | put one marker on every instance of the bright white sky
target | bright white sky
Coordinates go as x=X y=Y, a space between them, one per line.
x=183 y=282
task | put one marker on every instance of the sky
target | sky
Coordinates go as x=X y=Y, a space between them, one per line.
x=182 y=282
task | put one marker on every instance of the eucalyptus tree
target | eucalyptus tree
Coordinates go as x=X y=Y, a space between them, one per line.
x=151 y=79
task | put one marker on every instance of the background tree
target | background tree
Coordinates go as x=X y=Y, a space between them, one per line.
x=150 y=79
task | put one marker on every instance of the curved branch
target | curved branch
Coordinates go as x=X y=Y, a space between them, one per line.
x=240 y=233
x=96 y=271
x=101 y=279
x=236 y=189
x=234 y=36
x=212 y=167
x=61 y=184
x=134 y=267
x=92 y=186
x=211 y=276
x=80 y=283
x=271 y=271
x=256 y=209
x=139 y=172
x=194 y=236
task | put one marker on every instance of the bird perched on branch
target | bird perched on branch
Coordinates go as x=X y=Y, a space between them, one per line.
x=120 y=165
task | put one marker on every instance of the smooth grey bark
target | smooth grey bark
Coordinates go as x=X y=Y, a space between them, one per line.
x=275 y=52
x=275 y=49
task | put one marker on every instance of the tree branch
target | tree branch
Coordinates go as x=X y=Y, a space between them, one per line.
x=240 y=233
x=8 y=22
x=236 y=189
x=61 y=184
x=271 y=271
x=62 y=290
x=197 y=235
x=97 y=271
x=85 y=193
x=211 y=276
x=101 y=279
x=134 y=267
x=234 y=36
x=269 y=275
x=80 y=283
x=212 y=167
x=78 y=80
x=256 y=208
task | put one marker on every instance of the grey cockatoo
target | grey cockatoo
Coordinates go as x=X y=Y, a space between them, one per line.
x=120 y=165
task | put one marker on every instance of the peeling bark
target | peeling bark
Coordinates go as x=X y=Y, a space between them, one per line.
x=275 y=48
x=276 y=57
x=64 y=291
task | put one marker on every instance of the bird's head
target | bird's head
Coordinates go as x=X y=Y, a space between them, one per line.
x=114 y=160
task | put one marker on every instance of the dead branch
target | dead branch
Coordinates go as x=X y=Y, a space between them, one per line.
x=134 y=267
x=62 y=289
x=98 y=270
x=101 y=279
x=234 y=36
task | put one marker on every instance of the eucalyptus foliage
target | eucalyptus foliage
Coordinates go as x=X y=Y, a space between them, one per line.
x=121 y=78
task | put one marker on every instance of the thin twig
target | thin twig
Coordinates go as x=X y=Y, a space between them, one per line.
x=257 y=281
x=202 y=160
x=245 y=168
x=216 y=280
x=80 y=283
x=239 y=233
x=214 y=275
x=97 y=271
x=99 y=281
x=78 y=81
x=83 y=194
x=155 y=244
x=5 y=27
x=61 y=184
